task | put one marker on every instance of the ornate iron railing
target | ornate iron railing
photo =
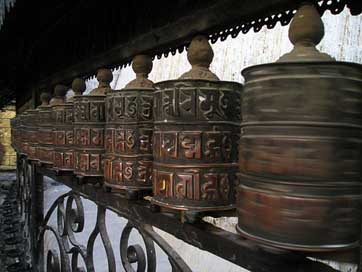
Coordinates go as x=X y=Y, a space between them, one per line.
x=71 y=220
x=70 y=254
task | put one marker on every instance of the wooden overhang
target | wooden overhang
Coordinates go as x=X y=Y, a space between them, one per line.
x=43 y=43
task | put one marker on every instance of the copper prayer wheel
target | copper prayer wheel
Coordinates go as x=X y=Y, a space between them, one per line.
x=128 y=135
x=301 y=147
x=45 y=147
x=63 y=131
x=89 y=124
x=24 y=134
x=32 y=128
x=196 y=133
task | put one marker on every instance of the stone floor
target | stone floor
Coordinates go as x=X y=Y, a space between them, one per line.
x=14 y=252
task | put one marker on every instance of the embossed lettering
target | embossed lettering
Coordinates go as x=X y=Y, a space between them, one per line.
x=191 y=144
x=169 y=145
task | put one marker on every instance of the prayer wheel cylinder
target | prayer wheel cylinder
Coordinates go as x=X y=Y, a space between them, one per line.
x=128 y=140
x=89 y=125
x=32 y=128
x=24 y=130
x=45 y=147
x=196 y=133
x=63 y=132
x=301 y=147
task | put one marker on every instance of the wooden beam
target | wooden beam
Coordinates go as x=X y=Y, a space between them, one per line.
x=211 y=19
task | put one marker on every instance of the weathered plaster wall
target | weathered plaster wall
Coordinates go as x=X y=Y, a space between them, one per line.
x=7 y=153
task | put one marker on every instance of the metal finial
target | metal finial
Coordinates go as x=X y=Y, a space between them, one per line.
x=142 y=66
x=104 y=77
x=45 y=98
x=78 y=86
x=200 y=56
x=305 y=32
x=59 y=95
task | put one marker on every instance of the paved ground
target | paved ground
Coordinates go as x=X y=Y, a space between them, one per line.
x=13 y=246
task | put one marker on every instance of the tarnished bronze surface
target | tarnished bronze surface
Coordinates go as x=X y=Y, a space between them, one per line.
x=31 y=124
x=45 y=148
x=89 y=124
x=300 y=149
x=23 y=133
x=197 y=123
x=63 y=131
x=128 y=135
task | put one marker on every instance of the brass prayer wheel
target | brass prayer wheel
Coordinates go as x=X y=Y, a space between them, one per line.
x=89 y=124
x=63 y=131
x=301 y=147
x=32 y=128
x=196 y=134
x=128 y=135
x=45 y=147
x=26 y=136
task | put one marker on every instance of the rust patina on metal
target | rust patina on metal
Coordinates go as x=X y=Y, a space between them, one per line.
x=89 y=124
x=197 y=124
x=31 y=124
x=128 y=138
x=63 y=132
x=300 y=148
x=23 y=133
x=44 y=150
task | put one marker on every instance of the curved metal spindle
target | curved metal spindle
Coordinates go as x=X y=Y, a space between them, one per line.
x=100 y=229
x=131 y=254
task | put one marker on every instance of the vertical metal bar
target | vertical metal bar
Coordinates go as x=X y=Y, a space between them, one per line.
x=37 y=217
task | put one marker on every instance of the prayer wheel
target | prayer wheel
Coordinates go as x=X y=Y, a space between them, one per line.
x=301 y=147
x=45 y=147
x=32 y=128
x=15 y=133
x=23 y=133
x=128 y=135
x=63 y=131
x=196 y=134
x=89 y=124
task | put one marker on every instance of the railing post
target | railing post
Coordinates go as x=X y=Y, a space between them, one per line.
x=37 y=218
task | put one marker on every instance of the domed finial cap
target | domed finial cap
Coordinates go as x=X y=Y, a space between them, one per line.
x=45 y=98
x=305 y=32
x=78 y=86
x=60 y=90
x=200 y=56
x=59 y=95
x=142 y=66
x=104 y=77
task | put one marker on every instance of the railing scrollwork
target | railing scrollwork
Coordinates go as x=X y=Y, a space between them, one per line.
x=71 y=220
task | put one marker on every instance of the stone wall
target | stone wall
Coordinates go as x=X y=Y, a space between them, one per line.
x=7 y=153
